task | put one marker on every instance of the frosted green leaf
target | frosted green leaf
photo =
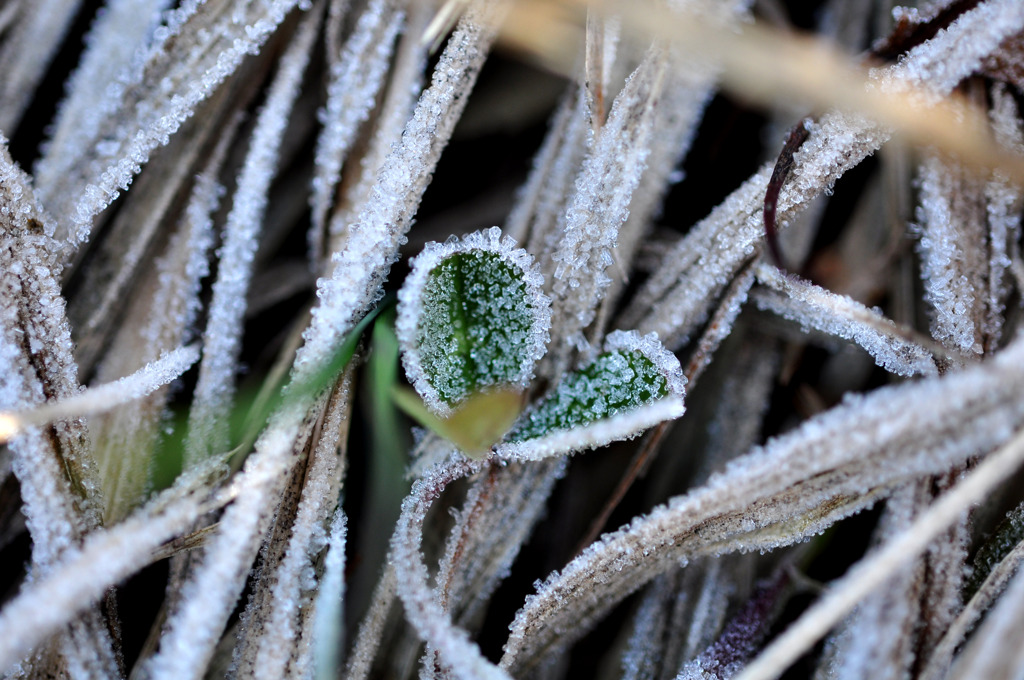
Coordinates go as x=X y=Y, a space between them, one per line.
x=471 y=316
x=633 y=372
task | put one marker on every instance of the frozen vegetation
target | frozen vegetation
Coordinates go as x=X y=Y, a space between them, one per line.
x=511 y=339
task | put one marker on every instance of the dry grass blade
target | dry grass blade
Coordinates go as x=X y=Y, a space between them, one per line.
x=453 y=646
x=105 y=397
x=600 y=205
x=877 y=638
x=351 y=94
x=214 y=393
x=83 y=575
x=983 y=599
x=988 y=653
x=284 y=593
x=35 y=30
x=191 y=69
x=899 y=350
x=887 y=561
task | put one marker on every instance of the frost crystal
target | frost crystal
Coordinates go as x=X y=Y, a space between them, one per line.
x=952 y=263
x=816 y=308
x=351 y=95
x=191 y=71
x=1003 y=201
x=341 y=150
x=358 y=270
x=675 y=300
x=603 y=192
x=214 y=392
x=831 y=466
x=121 y=30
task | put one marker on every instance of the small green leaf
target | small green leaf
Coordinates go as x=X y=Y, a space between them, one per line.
x=477 y=424
x=614 y=382
x=632 y=373
x=471 y=317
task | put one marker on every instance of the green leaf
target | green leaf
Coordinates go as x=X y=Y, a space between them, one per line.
x=471 y=317
x=614 y=382
x=252 y=411
x=633 y=373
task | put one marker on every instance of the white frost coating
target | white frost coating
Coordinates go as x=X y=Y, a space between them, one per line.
x=814 y=307
x=456 y=651
x=293 y=579
x=154 y=125
x=36 y=362
x=119 y=31
x=869 y=442
x=355 y=80
x=620 y=426
x=328 y=639
x=105 y=397
x=601 y=202
x=357 y=667
x=208 y=597
x=497 y=518
x=951 y=237
x=681 y=289
x=1003 y=202
x=51 y=518
x=32 y=318
x=651 y=348
x=994 y=585
x=957 y=51
x=124 y=440
x=180 y=301
x=539 y=182
x=553 y=181
x=708 y=612
x=46 y=498
x=642 y=658
x=214 y=391
x=372 y=246
x=720 y=325
x=673 y=300
x=689 y=87
x=211 y=593
x=876 y=639
x=411 y=308
x=405 y=83
x=595 y=435
x=994 y=650
x=84 y=575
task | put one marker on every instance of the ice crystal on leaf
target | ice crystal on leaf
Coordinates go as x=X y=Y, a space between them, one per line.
x=471 y=316
x=633 y=372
